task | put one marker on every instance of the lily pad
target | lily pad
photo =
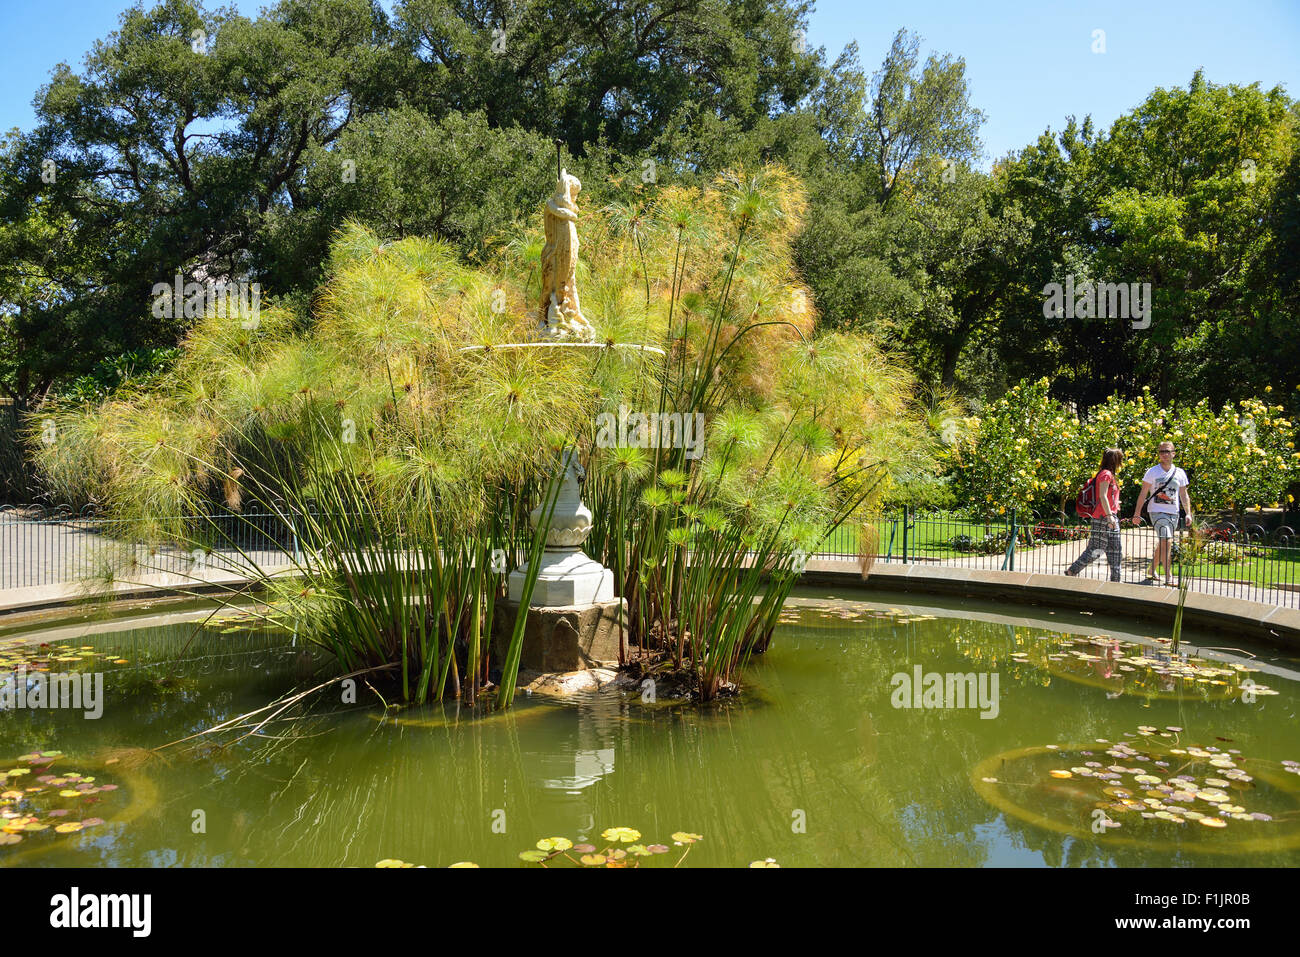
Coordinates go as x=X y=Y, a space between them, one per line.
x=624 y=834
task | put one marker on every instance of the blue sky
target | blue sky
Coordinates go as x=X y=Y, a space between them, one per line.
x=1029 y=62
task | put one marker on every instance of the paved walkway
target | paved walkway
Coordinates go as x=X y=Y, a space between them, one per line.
x=1138 y=545
x=54 y=552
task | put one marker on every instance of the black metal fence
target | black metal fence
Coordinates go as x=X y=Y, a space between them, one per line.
x=1218 y=558
x=42 y=546
x=51 y=546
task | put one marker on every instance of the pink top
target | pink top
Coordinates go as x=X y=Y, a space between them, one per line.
x=1112 y=493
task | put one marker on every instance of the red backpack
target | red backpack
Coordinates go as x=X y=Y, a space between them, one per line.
x=1085 y=503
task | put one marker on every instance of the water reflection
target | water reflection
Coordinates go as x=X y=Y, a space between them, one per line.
x=588 y=768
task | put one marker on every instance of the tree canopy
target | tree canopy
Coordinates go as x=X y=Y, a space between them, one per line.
x=201 y=143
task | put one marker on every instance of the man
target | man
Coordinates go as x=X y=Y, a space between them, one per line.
x=1166 y=485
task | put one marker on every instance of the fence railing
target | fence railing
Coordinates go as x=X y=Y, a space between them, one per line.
x=58 y=546
x=52 y=546
x=1213 y=559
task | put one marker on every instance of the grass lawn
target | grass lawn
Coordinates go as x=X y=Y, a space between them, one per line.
x=1275 y=566
x=929 y=537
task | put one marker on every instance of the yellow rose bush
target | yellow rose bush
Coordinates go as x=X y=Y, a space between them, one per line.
x=1030 y=453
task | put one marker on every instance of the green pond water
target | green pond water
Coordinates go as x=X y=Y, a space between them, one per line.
x=813 y=766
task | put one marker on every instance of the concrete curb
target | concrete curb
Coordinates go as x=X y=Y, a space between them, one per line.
x=1251 y=619
x=16 y=601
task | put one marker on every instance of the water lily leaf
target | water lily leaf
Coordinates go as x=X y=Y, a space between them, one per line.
x=640 y=850
x=685 y=837
x=463 y=864
x=554 y=844
x=391 y=862
x=769 y=862
x=1213 y=822
x=593 y=860
x=584 y=848
x=658 y=848
x=534 y=857
x=624 y=834
x=68 y=828
x=6 y=838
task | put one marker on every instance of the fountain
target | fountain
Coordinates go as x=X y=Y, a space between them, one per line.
x=575 y=619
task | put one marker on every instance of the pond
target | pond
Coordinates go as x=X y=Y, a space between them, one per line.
x=1099 y=748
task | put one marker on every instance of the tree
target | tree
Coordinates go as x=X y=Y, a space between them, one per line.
x=167 y=155
x=1182 y=193
x=916 y=116
x=905 y=239
x=587 y=71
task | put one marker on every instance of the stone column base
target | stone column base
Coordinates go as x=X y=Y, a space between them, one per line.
x=561 y=638
x=567 y=578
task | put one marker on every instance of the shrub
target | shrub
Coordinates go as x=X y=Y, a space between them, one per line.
x=1027 y=452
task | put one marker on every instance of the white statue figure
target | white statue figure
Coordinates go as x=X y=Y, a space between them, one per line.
x=560 y=315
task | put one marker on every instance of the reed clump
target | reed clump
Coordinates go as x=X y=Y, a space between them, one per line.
x=402 y=448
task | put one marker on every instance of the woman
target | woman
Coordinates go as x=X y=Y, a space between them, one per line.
x=1105 y=520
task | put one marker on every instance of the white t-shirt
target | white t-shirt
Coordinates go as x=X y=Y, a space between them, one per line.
x=1158 y=478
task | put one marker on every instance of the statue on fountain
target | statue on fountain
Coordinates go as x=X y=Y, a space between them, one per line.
x=560 y=316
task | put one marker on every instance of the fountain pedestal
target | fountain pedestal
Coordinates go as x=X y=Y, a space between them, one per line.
x=574 y=620
x=562 y=638
x=567 y=575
